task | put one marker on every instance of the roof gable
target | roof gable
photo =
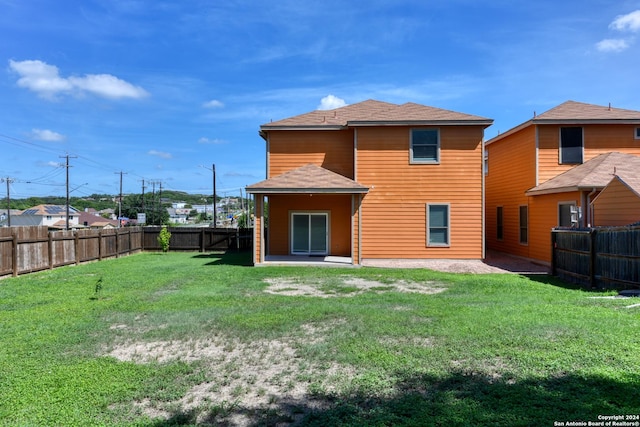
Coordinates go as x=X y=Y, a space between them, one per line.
x=308 y=179
x=594 y=173
x=372 y=112
x=49 y=210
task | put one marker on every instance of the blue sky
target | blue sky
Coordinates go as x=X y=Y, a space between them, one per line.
x=161 y=90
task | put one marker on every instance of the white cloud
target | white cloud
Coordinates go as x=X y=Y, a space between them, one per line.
x=330 y=102
x=629 y=22
x=45 y=80
x=160 y=154
x=47 y=135
x=612 y=45
x=214 y=141
x=214 y=103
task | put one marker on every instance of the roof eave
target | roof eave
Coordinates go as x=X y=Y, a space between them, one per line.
x=258 y=190
x=363 y=123
x=568 y=189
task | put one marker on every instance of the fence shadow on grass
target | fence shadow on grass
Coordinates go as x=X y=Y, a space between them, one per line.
x=231 y=257
x=461 y=398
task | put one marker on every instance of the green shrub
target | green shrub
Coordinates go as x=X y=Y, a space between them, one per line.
x=163 y=238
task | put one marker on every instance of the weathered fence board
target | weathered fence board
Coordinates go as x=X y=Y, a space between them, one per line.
x=28 y=249
x=598 y=257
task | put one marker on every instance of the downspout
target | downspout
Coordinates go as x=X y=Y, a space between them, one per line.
x=590 y=211
x=482 y=214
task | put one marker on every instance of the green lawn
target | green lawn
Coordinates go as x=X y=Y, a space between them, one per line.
x=203 y=339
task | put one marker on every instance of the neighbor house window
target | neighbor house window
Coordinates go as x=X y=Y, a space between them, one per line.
x=524 y=225
x=568 y=215
x=485 y=162
x=499 y=223
x=425 y=146
x=571 y=145
x=637 y=133
x=438 y=229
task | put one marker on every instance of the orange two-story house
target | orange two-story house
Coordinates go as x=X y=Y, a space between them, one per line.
x=372 y=180
x=547 y=172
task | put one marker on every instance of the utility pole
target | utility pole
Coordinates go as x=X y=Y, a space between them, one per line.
x=213 y=170
x=153 y=203
x=8 y=181
x=120 y=200
x=67 y=167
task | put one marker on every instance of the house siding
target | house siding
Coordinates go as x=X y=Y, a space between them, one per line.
x=543 y=216
x=597 y=139
x=512 y=171
x=616 y=205
x=394 y=219
x=331 y=149
x=338 y=207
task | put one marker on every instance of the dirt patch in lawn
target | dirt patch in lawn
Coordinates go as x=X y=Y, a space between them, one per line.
x=348 y=286
x=244 y=380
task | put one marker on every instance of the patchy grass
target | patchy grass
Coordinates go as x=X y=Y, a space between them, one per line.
x=202 y=339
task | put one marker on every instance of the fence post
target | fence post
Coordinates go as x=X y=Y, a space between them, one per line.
x=14 y=240
x=202 y=240
x=117 y=243
x=592 y=257
x=553 y=252
x=76 y=246
x=50 y=249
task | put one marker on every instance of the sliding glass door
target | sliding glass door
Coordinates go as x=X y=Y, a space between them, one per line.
x=309 y=233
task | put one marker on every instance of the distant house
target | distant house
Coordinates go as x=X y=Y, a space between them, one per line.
x=547 y=171
x=5 y=214
x=92 y=219
x=619 y=202
x=371 y=180
x=52 y=216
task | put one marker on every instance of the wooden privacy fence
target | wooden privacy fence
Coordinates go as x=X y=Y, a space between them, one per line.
x=598 y=257
x=28 y=249
x=199 y=238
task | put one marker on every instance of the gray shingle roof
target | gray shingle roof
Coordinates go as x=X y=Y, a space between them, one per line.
x=308 y=179
x=595 y=173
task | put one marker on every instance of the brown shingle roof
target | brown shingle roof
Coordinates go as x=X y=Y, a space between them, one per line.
x=595 y=173
x=373 y=112
x=308 y=179
x=579 y=111
x=572 y=112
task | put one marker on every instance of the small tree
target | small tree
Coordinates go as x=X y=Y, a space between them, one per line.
x=163 y=238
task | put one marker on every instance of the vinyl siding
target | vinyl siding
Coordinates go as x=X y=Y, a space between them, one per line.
x=616 y=205
x=331 y=149
x=338 y=206
x=543 y=216
x=512 y=171
x=597 y=139
x=394 y=210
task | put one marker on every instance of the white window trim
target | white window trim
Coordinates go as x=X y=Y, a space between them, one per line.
x=519 y=226
x=439 y=245
x=560 y=160
x=413 y=161
x=327 y=214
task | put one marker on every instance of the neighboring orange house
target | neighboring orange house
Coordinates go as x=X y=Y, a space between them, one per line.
x=372 y=180
x=619 y=203
x=547 y=171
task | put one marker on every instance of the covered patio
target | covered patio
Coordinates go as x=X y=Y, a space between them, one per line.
x=309 y=214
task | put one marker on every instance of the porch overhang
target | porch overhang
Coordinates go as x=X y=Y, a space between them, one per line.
x=308 y=179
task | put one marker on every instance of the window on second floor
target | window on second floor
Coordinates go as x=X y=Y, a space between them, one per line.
x=637 y=133
x=571 y=145
x=425 y=146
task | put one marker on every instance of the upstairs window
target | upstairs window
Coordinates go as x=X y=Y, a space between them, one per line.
x=637 y=133
x=425 y=146
x=571 y=145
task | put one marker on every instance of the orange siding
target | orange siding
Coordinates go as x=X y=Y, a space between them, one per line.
x=394 y=210
x=512 y=171
x=543 y=216
x=616 y=205
x=333 y=150
x=598 y=139
x=338 y=206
